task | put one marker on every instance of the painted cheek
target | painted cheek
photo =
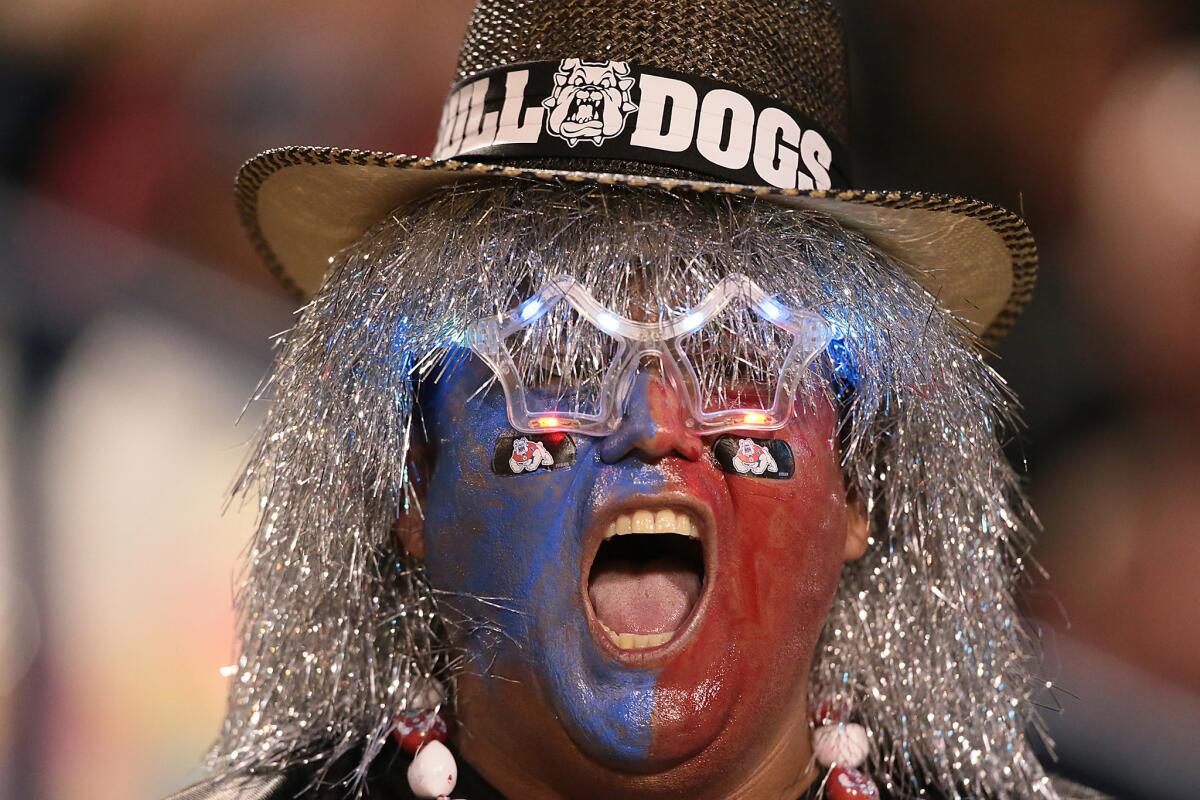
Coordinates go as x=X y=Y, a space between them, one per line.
x=780 y=554
x=793 y=540
x=491 y=537
x=487 y=536
x=507 y=554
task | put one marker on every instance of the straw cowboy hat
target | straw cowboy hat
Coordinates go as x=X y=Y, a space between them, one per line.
x=746 y=98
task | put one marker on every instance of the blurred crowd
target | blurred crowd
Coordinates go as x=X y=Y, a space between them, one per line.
x=135 y=321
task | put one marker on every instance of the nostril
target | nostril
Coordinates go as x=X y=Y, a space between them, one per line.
x=650 y=448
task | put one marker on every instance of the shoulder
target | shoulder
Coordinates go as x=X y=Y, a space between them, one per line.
x=1074 y=791
x=303 y=783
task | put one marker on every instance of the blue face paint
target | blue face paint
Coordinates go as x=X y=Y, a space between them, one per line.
x=517 y=543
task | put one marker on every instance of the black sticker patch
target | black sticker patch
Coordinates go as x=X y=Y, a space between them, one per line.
x=518 y=455
x=759 y=458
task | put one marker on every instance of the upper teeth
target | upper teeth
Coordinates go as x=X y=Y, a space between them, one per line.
x=645 y=520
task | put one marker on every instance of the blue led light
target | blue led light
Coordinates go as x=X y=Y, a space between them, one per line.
x=530 y=309
x=608 y=322
x=691 y=322
x=772 y=310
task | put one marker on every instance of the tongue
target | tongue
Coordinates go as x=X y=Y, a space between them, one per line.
x=647 y=597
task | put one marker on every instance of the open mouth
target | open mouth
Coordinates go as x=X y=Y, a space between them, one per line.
x=647 y=577
x=582 y=109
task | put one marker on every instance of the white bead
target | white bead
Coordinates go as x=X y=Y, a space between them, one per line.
x=426 y=695
x=841 y=743
x=433 y=771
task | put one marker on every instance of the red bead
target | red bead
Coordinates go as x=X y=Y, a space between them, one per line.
x=825 y=712
x=846 y=783
x=821 y=713
x=414 y=728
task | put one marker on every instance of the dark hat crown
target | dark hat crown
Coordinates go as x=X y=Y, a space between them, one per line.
x=741 y=97
x=791 y=50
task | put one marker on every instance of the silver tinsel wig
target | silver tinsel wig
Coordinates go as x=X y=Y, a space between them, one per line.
x=339 y=627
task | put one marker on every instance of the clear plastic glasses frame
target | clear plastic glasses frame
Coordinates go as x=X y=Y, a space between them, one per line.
x=639 y=340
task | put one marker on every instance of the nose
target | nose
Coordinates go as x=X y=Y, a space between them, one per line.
x=654 y=425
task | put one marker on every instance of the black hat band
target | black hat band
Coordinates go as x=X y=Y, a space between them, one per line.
x=617 y=110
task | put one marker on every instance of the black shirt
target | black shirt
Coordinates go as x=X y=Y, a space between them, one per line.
x=387 y=780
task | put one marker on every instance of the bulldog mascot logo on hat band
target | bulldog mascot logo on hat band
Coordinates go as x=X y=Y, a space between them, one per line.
x=591 y=101
x=639 y=245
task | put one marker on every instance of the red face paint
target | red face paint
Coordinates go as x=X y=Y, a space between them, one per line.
x=779 y=547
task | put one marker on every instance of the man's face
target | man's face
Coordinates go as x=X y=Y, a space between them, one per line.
x=736 y=580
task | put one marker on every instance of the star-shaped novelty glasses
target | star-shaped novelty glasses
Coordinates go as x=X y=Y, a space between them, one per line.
x=683 y=344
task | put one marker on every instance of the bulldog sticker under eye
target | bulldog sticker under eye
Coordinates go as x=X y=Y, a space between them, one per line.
x=518 y=455
x=763 y=458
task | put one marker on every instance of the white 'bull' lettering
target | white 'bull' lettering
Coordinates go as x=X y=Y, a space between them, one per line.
x=465 y=127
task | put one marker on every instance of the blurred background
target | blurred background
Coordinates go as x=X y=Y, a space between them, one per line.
x=135 y=322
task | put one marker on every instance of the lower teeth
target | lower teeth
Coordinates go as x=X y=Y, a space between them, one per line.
x=636 y=641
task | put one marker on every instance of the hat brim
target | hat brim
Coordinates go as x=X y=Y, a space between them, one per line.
x=302 y=205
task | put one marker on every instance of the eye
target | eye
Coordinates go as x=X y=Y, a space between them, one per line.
x=561 y=361
x=757 y=458
x=577 y=80
x=520 y=455
x=606 y=82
